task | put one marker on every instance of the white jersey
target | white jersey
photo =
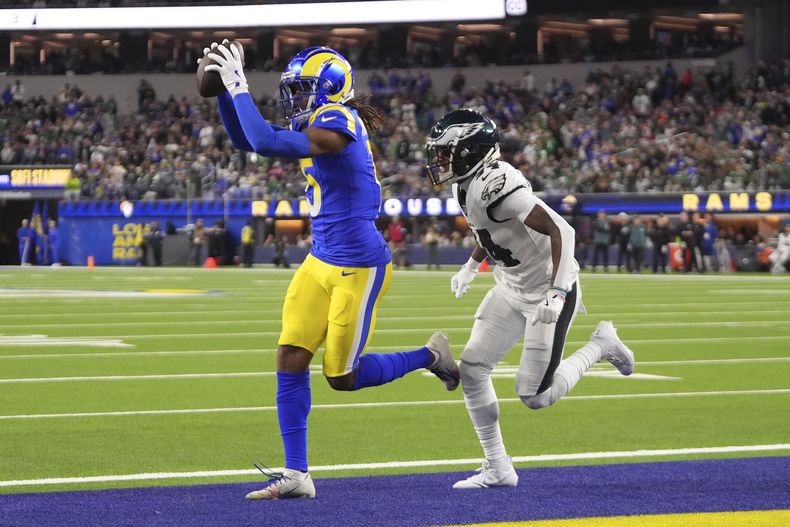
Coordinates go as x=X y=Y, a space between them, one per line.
x=495 y=203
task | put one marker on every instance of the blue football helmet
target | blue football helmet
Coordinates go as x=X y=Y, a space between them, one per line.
x=315 y=76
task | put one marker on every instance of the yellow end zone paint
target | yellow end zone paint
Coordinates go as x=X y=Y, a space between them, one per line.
x=708 y=519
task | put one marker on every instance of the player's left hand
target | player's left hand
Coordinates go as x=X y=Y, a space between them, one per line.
x=549 y=310
x=230 y=66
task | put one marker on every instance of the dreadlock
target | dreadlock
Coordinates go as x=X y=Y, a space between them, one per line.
x=371 y=117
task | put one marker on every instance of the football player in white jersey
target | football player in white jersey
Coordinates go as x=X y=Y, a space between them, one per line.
x=537 y=292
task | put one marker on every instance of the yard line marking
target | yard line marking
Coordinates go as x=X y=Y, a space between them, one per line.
x=212 y=322
x=465 y=328
x=705 y=362
x=541 y=458
x=277 y=321
x=189 y=352
x=384 y=404
x=44 y=340
x=167 y=376
x=468 y=313
x=687 y=339
x=177 y=353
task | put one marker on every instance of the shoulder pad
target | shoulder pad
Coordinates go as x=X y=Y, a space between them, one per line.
x=335 y=117
x=500 y=179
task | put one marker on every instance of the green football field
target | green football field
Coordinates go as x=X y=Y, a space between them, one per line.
x=126 y=377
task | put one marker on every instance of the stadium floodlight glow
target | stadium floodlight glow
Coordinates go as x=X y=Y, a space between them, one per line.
x=266 y=15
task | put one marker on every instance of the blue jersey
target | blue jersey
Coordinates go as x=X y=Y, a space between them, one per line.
x=344 y=195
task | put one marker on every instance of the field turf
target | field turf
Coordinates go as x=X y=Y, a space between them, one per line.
x=133 y=377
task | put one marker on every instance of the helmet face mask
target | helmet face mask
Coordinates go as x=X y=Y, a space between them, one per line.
x=459 y=145
x=315 y=76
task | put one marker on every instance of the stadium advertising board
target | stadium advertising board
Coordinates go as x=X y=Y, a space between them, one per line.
x=673 y=203
x=33 y=182
x=112 y=236
x=268 y=15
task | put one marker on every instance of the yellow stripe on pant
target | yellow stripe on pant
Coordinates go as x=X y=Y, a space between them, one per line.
x=336 y=305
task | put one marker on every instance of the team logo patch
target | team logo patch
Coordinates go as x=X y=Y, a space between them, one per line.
x=493 y=187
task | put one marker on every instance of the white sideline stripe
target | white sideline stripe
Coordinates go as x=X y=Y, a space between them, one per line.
x=581 y=456
x=657 y=395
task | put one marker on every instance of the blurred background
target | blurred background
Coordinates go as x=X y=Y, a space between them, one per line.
x=659 y=131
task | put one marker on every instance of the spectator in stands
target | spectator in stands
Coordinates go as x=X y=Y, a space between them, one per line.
x=247 y=244
x=710 y=234
x=279 y=258
x=659 y=235
x=431 y=243
x=397 y=237
x=623 y=236
x=18 y=93
x=7 y=96
x=637 y=243
x=53 y=244
x=199 y=240
x=699 y=240
x=142 y=244
x=685 y=231
x=155 y=235
x=602 y=232
x=25 y=236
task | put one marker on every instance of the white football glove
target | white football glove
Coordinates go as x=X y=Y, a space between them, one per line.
x=549 y=310
x=230 y=66
x=461 y=281
x=213 y=49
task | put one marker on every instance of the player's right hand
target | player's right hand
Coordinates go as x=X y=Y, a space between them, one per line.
x=460 y=282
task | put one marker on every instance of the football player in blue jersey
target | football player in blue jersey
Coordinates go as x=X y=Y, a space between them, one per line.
x=333 y=297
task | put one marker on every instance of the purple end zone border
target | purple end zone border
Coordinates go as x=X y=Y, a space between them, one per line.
x=428 y=499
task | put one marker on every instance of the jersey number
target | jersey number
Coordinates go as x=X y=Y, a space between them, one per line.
x=497 y=252
x=313 y=192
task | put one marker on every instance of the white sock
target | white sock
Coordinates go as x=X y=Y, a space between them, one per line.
x=571 y=369
x=481 y=402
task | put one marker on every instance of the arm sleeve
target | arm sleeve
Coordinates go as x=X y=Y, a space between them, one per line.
x=264 y=139
x=230 y=120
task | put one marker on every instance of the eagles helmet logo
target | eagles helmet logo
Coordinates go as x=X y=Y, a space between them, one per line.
x=493 y=187
x=458 y=132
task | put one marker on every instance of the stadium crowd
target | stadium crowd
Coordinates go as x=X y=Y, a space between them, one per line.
x=621 y=131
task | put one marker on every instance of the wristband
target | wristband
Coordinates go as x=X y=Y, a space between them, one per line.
x=560 y=291
x=472 y=265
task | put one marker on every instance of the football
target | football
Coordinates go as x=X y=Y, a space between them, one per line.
x=209 y=83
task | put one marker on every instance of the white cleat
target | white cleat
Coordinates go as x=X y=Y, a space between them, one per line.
x=292 y=484
x=614 y=351
x=488 y=476
x=444 y=365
